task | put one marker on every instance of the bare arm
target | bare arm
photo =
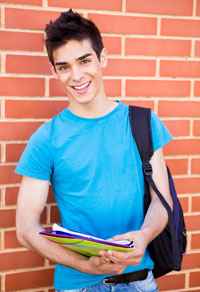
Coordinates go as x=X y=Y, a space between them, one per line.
x=31 y=202
x=156 y=217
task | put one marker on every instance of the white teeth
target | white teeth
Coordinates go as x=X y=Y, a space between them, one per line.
x=81 y=87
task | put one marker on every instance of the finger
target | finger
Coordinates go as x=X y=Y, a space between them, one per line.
x=116 y=268
x=103 y=260
x=124 y=236
x=125 y=258
x=109 y=258
x=134 y=254
x=103 y=253
x=133 y=261
x=119 y=255
x=105 y=256
x=118 y=237
x=119 y=269
x=97 y=261
x=116 y=257
x=114 y=260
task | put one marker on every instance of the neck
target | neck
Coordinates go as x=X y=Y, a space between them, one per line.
x=94 y=108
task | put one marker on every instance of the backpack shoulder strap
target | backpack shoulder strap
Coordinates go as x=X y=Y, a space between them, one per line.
x=140 y=119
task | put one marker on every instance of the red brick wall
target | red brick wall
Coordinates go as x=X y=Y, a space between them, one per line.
x=154 y=54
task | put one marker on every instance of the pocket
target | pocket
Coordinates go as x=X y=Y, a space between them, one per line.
x=147 y=285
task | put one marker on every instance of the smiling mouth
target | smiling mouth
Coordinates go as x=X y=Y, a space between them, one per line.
x=81 y=87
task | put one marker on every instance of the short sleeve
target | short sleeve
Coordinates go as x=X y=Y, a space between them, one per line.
x=160 y=134
x=36 y=160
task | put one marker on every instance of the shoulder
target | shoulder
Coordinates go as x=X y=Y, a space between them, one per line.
x=160 y=133
x=45 y=132
x=156 y=122
x=154 y=117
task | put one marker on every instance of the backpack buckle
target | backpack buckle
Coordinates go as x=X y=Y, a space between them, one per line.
x=147 y=168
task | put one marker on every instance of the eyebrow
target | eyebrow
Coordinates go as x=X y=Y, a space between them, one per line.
x=78 y=59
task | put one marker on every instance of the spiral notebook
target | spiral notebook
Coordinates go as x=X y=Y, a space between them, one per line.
x=83 y=243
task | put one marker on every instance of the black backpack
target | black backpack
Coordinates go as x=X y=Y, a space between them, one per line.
x=166 y=249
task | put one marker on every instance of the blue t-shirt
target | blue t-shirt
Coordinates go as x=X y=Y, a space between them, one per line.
x=95 y=170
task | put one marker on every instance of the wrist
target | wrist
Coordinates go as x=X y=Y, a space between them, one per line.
x=77 y=262
x=147 y=235
x=84 y=265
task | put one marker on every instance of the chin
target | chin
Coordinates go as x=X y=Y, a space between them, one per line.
x=84 y=99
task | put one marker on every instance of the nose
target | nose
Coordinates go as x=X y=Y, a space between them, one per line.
x=76 y=73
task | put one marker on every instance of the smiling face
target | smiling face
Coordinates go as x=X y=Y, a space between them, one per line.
x=80 y=71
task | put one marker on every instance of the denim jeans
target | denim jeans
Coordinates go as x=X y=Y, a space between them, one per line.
x=147 y=285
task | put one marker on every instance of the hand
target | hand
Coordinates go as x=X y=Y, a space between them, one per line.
x=100 y=265
x=129 y=258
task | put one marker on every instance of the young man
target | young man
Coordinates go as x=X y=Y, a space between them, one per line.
x=88 y=154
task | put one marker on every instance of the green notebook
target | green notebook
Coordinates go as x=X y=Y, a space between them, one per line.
x=83 y=243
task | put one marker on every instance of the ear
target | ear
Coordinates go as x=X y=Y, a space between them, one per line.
x=104 y=58
x=53 y=71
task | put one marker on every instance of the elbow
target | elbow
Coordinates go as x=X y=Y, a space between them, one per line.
x=21 y=236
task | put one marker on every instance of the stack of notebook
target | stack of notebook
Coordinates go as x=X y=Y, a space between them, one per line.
x=83 y=243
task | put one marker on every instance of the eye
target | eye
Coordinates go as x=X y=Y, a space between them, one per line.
x=85 y=61
x=62 y=68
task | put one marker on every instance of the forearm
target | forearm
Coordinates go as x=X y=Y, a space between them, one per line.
x=156 y=217
x=58 y=254
x=53 y=251
x=155 y=220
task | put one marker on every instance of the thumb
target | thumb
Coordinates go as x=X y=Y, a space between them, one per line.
x=125 y=236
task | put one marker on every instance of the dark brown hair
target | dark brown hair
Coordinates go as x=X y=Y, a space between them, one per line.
x=71 y=26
